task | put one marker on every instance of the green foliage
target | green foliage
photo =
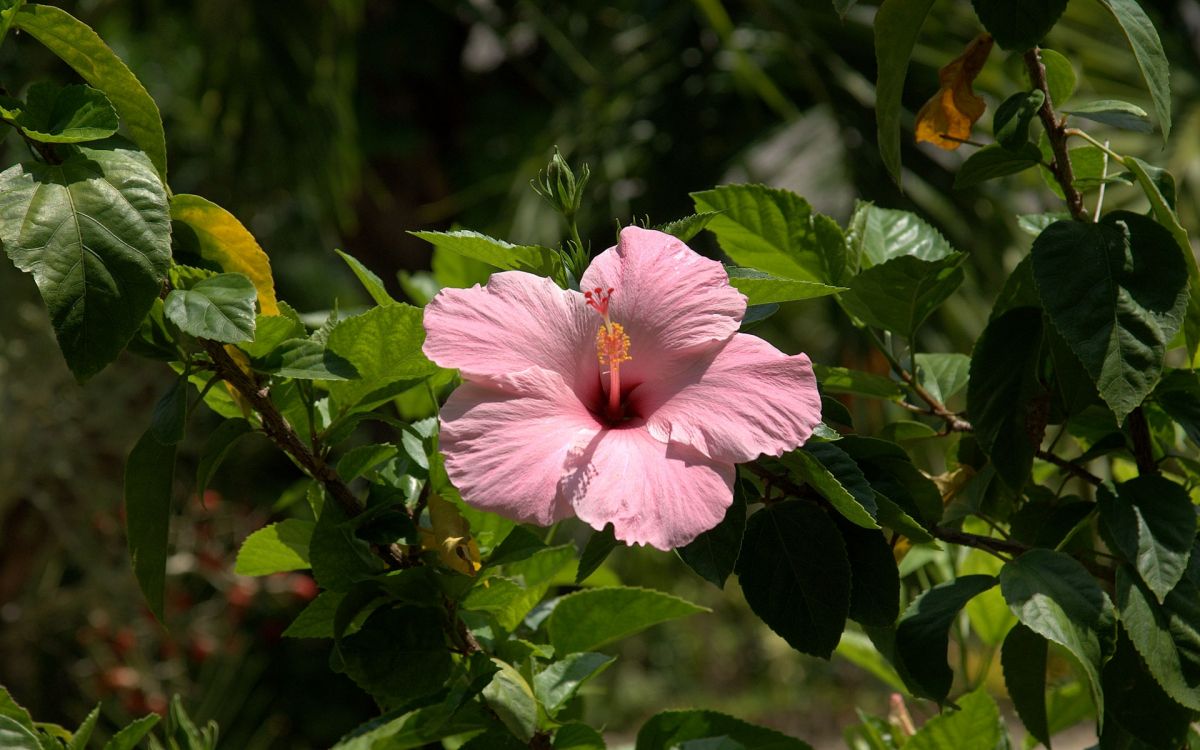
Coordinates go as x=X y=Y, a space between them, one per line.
x=98 y=262
x=67 y=114
x=1116 y=113
x=687 y=728
x=1148 y=52
x=992 y=162
x=558 y=682
x=149 y=472
x=220 y=308
x=1019 y=25
x=976 y=725
x=1013 y=117
x=714 y=554
x=384 y=346
x=498 y=253
x=837 y=478
x=763 y=288
x=276 y=548
x=923 y=631
x=592 y=618
x=1152 y=523
x=1023 y=658
x=896 y=29
x=900 y=293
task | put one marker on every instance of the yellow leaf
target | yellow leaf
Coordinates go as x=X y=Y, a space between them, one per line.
x=955 y=107
x=450 y=536
x=224 y=241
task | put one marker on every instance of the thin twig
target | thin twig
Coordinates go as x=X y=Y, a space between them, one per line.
x=1071 y=468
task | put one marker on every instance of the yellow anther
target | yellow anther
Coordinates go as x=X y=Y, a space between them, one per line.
x=612 y=344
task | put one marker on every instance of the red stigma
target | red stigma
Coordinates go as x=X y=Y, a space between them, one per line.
x=598 y=299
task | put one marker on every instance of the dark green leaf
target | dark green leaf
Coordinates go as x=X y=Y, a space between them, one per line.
x=891 y=472
x=520 y=544
x=1018 y=25
x=943 y=375
x=67 y=114
x=306 y=359
x=339 y=558
x=1153 y=523
x=588 y=619
x=149 y=472
x=899 y=294
x=713 y=555
x=81 y=48
x=577 y=736
x=897 y=25
x=991 y=162
x=975 y=726
x=132 y=734
x=98 y=259
x=494 y=739
x=1116 y=290
x=689 y=226
x=503 y=255
x=372 y=283
x=923 y=637
x=672 y=729
x=1003 y=392
x=1054 y=596
x=874 y=579
x=1148 y=51
x=795 y=575
x=1137 y=704
x=398 y=655
x=1115 y=113
x=893 y=517
x=557 y=683
x=1034 y=224
x=170 y=414
x=844 y=380
x=509 y=695
x=1011 y=122
x=218 y=445
x=275 y=548
x=775 y=231
x=837 y=478
x=270 y=331
x=1168 y=635
x=220 y=308
x=877 y=235
x=1178 y=393
x=384 y=346
x=1024 y=660
x=316 y=620
x=361 y=459
x=762 y=288
x=1060 y=75
x=595 y=552
x=14 y=736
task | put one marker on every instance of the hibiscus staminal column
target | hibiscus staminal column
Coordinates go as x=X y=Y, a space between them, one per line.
x=612 y=348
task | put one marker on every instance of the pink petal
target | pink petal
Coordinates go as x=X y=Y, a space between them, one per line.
x=506 y=441
x=668 y=298
x=746 y=399
x=517 y=321
x=653 y=493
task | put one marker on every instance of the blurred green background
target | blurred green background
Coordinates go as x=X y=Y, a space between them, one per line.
x=342 y=124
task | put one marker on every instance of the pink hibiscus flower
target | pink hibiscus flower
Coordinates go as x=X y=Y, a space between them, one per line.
x=628 y=404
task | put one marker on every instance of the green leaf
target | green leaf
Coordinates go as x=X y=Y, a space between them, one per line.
x=1054 y=596
x=170 y=413
x=795 y=575
x=216 y=448
x=674 y=729
x=975 y=726
x=713 y=555
x=874 y=579
x=837 y=478
x=94 y=233
x=891 y=472
x=877 y=235
x=276 y=548
x=372 y=283
x=994 y=161
x=526 y=581
x=1153 y=523
x=1178 y=393
x=1060 y=75
x=1020 y=24
x=922 y=634
x=576 y=736
x=81 y=736
x=586 y=620
x=132 y=734
x=510 y=696
x=219 y=238
x=943 y=375
x=1116 y=113
x=774 y=231
x=845 y=380
x=66 y=114
x=1137 y=704
x=1165 y=214
x=897 y=25
x=306 y=359
x=689 y=226
x=1023 y=659
x=339 y=558
x=316 y=619
x=893 y=517
x=1004 y=389
x=899 y=294
x=1034 y=224
x=1148 y=51
x=149 y=472
x=384 y=346
x=1116 y=290
x=860 y=651
x=763 y=288
x=13 y=710
x=595 y=552
x=1167 y=636
x=1011 y=122
x=503 y=255
x=17 y=737
x=398 y=655
x=557 y=683
x=220 y=308
x=81 y=48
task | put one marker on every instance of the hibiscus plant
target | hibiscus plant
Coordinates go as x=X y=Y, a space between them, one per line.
x=1031 y=498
